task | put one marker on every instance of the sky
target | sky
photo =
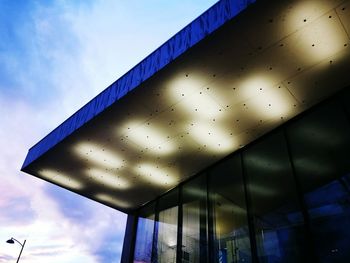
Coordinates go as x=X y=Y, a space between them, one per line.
x=54 y=57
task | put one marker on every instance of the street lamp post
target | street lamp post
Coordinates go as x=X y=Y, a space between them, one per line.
x=12 y=241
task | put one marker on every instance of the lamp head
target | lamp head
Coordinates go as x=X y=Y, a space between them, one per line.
x=10 y=241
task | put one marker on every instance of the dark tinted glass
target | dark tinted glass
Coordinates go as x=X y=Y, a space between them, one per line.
x=194 y=221
x=344 y=100
x=166 y=235
x=320 y=144
x=229 y=210
x=306 y=164
x=278 y=220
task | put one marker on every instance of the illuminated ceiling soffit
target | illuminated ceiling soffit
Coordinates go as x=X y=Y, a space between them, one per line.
x=238 y=84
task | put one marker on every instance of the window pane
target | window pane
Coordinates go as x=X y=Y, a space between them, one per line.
x=275 y=206
x=344 y=98
x=144 y=235
x=320 y=145
x=230 y=215
x=194 y=230
x=167 y=228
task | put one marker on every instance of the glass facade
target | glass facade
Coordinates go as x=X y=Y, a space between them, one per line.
x=284 y=198
x=165 y=244
x=194 y=221
x=320 y=145
x=278 y=220
x=227 y=197
x=144 y=238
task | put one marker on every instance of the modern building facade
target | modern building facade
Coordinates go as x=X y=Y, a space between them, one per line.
x=229 y=143
x=283 y=198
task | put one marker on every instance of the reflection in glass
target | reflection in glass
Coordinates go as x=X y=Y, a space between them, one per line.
x=329 y=209
x=320 y=146
x=279 y=225
x=166 y=242
x=230 y=216
x=194 y=230
x=313 y=162
x=144 y=235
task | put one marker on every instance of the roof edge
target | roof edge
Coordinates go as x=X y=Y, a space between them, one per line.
x=217 y=15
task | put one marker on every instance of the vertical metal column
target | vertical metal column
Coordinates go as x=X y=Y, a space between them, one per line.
x=154 y=256
x=211 y=242
x=179 y=227
x=250 y=216
x=129 y=239
x=203 y=236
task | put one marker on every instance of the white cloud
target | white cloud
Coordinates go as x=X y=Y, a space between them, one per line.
x=28 y=212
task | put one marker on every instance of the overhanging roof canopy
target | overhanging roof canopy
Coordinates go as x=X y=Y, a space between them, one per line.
x=224 y=80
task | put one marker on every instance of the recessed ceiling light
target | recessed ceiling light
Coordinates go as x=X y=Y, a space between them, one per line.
x=155 y=174
x=152 y=138
x=215 y=138
x=61 y=179
x=98 y=155
x=112 y=200
x=108 y=178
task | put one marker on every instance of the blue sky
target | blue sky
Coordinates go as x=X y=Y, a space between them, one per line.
x=54 y=57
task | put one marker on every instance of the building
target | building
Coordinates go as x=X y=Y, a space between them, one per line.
x=229 y=143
